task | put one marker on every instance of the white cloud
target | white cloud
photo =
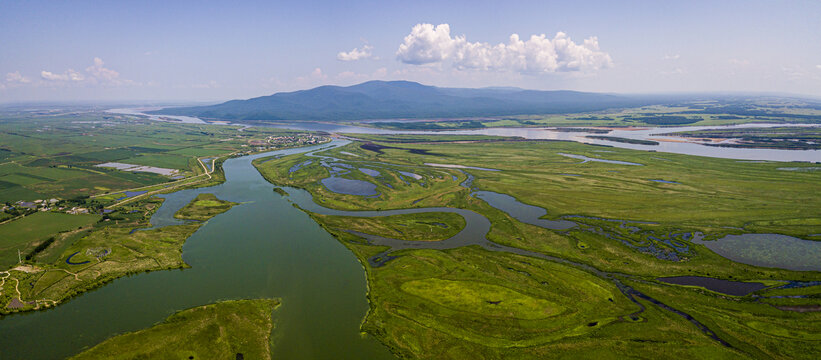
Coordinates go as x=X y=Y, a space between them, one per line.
x=101 y=73
x=671 y=57
x=68 y=75
x=318 y=74
x=97 y=73
x=16 y=78
x=429 y=44
x=818 y=67
x=356 y=54
x=739 y=62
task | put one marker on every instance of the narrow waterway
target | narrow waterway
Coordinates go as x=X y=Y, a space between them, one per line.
x=262 y=248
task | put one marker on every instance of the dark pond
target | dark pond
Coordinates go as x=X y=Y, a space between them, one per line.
x=663 y=181
x=736 y=288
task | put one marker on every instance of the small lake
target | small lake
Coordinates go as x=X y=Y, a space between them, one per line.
x=735 y=288
x=768 y=250
x=342 y=185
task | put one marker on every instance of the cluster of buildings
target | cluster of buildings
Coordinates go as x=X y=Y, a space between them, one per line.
x=40 y=205
x=273 y=142
x=44 y=205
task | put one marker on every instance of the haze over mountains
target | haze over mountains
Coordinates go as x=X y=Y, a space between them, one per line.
x=404 y=99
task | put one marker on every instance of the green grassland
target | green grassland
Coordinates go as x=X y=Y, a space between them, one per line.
x=83 y=259
x=26 y=233
x=55 y=156
x=204 y=207
x=223 y=330
x=418 y=227
x=472 y=303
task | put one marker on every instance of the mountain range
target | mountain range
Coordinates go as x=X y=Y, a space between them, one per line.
x=404 y=99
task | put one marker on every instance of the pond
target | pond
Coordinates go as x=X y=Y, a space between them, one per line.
x=736 y=288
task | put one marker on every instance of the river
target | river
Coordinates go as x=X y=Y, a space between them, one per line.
x=262 y=248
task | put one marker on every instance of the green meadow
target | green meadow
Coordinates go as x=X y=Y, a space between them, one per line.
x=469 y=303
x=26 y=233
x=224 y=330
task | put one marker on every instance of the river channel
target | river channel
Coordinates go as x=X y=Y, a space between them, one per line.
x=264 y=247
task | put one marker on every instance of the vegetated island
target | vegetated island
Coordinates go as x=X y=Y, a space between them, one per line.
x=237 y=329
x=623 y=140
x=204 y=207
x=85 y=258
x=782 y=137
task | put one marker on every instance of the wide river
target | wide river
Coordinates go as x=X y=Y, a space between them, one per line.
x=262 y=248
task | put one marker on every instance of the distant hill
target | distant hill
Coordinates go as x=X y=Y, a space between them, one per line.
x=403 y=99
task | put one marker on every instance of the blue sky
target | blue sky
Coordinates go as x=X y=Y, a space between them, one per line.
x=201 y=50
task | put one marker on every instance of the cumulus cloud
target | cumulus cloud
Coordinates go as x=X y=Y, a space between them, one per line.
x=16 y=78
x=101 y=73
x=356 y=54
x=97 y=73
x=671 y=57
x=429 y=44
x=68 y=75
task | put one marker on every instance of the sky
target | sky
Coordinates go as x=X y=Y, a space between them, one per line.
x=213 y=51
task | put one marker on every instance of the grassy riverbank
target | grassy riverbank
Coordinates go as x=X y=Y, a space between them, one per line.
x=238 y=329
x=87 y=258
x=472 y=303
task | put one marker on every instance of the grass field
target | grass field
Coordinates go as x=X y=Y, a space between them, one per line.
x=472 y=303
x=24 y=234
x=419 y=227
x=238 y=329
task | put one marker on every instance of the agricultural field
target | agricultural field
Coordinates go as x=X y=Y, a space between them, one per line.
x=225 y=330
x=584 y=291
x=121 y=243
x=48 y=155
x=27 y=233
